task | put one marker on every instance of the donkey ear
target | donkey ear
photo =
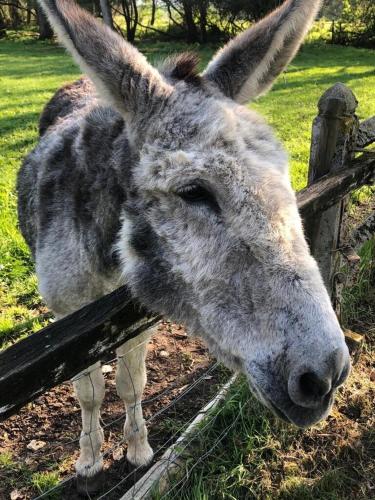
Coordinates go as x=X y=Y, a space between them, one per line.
x=249 y=64
x=120 y=73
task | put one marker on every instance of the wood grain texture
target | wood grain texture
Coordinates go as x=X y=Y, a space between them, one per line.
x=330 y=189
x=333 y=140
x=363 y=233
x=366 y=133
x=63 y=349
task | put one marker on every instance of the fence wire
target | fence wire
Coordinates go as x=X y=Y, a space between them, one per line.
x=93 y=429
x=180 y=452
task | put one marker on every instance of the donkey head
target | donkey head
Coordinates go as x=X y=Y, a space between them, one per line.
x=211 y=233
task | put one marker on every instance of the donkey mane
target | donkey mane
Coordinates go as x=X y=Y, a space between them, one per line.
x=182 y=66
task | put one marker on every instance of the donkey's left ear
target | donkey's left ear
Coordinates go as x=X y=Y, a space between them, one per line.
x=120 y=73
x=249 y=64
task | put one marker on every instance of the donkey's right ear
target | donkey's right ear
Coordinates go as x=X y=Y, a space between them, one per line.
x=249 y=64
x=119 y=71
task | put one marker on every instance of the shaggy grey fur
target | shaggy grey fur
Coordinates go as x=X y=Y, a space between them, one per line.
x=184 y=194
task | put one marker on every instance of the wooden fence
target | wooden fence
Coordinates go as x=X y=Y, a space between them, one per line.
x=339 y=164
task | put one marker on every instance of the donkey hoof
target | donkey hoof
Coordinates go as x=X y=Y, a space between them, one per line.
x=140 y=456
x=88 y=485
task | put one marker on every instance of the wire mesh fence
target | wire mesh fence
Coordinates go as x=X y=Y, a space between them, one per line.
x=177 y=392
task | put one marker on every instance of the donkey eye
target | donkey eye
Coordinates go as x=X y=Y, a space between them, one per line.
x=195 y=193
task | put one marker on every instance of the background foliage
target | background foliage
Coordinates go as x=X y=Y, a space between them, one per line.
x=352 y=22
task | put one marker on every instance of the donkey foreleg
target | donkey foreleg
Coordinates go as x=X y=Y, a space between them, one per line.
x=89 y=388
x=130 y=382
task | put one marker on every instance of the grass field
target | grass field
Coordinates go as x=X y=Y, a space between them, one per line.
x=30 y=72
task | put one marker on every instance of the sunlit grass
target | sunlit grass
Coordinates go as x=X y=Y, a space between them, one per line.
x=247 y=453
x=16 y=476
x=44 y=481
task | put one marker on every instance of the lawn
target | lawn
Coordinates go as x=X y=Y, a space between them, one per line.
x=30 y=72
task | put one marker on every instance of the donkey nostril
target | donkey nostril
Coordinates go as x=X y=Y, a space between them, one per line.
x=312 y=387
x=343 y=376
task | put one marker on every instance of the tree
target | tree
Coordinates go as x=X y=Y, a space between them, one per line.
x=45 y=30
x=130 y=12
x=359 y=19
x=192 y=31
x=244 y=9
x=153 y=12
x=107 y=13
x=15 y=14
x=332 y=9
x=191 y=16
x=203 y=8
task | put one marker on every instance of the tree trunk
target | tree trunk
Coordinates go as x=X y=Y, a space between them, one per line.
x=171 y=18
x=28 y=15
x=15 y=15
x=2 y=24
x=45 y=30
x=192 y=32
x=106 y=12
x=153 y=13
x=130 y=10
x=203 y=21
x=135 y=18
x=96 y=8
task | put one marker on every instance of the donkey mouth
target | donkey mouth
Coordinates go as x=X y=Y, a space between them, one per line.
x=284 y=408
x=278 y=413
x=300 y=416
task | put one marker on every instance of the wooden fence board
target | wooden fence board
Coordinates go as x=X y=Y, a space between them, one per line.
x=68 y=346
x=330 y=189
x=366 y=133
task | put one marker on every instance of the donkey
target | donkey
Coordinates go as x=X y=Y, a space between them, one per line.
x=163 y=180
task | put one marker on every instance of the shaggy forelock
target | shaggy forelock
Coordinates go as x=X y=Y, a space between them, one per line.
x=182 y=67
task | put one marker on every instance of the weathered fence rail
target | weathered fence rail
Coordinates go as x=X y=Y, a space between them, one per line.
x=66 y=347
x=331 y=188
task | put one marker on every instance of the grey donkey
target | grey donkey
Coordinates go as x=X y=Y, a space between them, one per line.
x=163 y=180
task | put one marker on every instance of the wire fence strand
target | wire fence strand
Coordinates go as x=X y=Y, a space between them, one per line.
x=93 y=428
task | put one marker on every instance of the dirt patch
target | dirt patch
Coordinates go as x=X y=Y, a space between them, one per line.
x=53 y=421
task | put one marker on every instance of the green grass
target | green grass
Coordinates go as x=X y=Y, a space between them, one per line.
x=249 y=454
x=359 y=299
x=15 y=476
x=30 y=73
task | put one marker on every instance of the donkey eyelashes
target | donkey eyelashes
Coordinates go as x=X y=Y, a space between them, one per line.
x=195 y=193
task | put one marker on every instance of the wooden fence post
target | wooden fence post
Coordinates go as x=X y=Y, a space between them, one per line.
x=333 y=142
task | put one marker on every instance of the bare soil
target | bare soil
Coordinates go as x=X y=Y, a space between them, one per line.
x=174 y=361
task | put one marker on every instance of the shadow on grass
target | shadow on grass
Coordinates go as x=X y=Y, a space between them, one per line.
x=326 y=80
x=28 y=59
